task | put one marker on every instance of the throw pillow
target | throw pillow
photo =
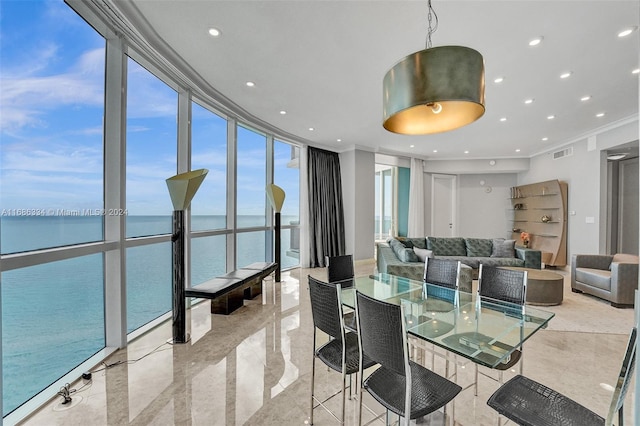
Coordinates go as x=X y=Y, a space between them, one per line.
x=503 y=248
x=447 y=246
x=408 y=255
x=403 y=253
x=478 y=247
x=422 y=253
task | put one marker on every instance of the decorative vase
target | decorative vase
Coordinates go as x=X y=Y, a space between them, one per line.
x=545 y=218
x=526 y=243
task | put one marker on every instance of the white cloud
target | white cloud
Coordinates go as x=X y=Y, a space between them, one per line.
x=26 y=97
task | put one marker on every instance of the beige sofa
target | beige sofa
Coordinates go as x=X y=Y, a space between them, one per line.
x=610 y=277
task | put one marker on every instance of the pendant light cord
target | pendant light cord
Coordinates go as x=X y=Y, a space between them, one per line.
x=432 y=18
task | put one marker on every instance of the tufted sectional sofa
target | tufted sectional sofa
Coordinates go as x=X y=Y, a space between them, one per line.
x=402 y=256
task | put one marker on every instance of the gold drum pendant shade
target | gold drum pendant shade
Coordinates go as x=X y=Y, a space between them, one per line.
x=434 y=90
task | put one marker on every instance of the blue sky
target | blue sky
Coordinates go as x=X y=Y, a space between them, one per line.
x=51 y=111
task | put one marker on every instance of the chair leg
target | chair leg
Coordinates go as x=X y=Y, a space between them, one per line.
x=475 y=385
x=313 y=373
x=360 y=395
x=620 y=417
x=344 y=395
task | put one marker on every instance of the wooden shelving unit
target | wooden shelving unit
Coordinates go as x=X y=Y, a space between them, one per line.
x=529 y=204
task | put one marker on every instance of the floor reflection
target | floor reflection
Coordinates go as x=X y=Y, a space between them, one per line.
x=253 y=367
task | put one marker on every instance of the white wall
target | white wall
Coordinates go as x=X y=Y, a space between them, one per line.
x=358 y=192
x=586 y=190
x=483 y=209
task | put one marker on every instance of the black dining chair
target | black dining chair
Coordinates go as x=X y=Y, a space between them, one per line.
x=503 y=285
x=529 y=403
x=442 y=272
x=340 y=270
x=341 y=353
x=444 y=276
x=399 y=384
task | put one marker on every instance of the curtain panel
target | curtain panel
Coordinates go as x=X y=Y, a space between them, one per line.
x=416 y=199
x=326 y=213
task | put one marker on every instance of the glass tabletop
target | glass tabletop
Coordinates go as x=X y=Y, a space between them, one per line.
x=484 y=330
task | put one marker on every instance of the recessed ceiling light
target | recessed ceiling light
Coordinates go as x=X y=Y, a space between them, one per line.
x=566 y=74
x=636 y=71
x=412 y=146
x=503 y=119
x=585 y=98
x=536 y=41
x=498 y=80
x=466 y=152
x=283 y=112
x=518 y=150
x=600 y=114
x=435 y=150
x=545 y=138
x=214 y=32
x=311 y=129
x=626 y=32
x=550 y=117
x=250 y=84
x=338 y=140
x=528 y=101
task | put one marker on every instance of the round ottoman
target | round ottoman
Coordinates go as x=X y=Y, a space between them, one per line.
x=544 y=288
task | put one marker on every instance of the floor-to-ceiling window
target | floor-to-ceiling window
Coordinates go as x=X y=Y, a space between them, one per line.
x=58 y=243
x=209 y=206
x=251 y=196
x=151 y=158
x=384 y=202
x=51 y=171
x=286 y=174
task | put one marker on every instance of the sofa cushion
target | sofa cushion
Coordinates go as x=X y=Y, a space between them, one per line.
x=422 y=253
x=624 y=258
x=478 y=247
x=503 y=248
x=465 y=260
x=418 y=242
x=501 y=261
x=447 y=246
x=403 y=253
x=598 y=278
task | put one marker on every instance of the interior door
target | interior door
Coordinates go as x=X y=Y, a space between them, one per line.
x=628 y=207
x=443 y=205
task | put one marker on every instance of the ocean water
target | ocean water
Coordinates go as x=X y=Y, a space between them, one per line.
x=53 y=314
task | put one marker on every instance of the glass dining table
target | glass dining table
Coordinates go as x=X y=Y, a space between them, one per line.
x=486 y=331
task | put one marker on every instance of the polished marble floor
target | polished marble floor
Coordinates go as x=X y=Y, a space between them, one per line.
x=253 y=368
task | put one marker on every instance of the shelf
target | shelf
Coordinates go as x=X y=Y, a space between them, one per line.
x=537 y=200
x=545 y=194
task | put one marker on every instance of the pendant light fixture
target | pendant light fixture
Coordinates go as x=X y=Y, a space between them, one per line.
x=434 y=90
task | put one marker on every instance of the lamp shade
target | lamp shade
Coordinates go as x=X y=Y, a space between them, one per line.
x=276 y=197
x=434 y=90
x=183 y=187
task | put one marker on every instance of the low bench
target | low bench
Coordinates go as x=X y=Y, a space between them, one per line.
x=227 y=292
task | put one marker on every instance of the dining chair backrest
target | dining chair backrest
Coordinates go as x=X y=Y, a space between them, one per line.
x=382 y=333
x=624 y=378
x=507 y=285
x=325 y=308
x=443 y=272
x=340 y=268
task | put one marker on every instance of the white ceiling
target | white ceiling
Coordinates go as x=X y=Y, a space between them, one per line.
x=323 y=62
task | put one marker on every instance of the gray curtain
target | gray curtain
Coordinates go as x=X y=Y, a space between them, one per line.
x=326 y=214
